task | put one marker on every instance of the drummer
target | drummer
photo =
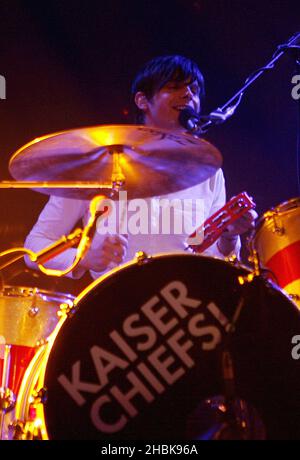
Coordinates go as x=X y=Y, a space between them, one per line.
x=162 y=88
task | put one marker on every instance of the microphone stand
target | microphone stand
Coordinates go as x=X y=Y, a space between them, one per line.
x=296 y=52
x=228 y=416
x=221 y=114
x=233 y=422
x=81 y=237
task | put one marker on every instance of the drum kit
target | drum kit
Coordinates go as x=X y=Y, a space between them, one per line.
x=169 y=346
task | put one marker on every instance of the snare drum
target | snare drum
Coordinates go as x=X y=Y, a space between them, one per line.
x=141 y=355
x=27 y=317
x=277 y=242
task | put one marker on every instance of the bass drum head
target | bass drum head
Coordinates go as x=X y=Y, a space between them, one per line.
x=142 y=352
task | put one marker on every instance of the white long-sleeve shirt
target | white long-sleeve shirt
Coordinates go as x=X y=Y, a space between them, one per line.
x=60 y=215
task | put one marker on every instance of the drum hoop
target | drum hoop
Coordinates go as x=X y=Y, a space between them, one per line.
x=278 y=210
x=289 y=204
x=149 y=258
x=27 y=291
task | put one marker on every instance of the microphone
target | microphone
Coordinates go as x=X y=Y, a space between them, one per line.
x=90 y=228
x=197 y=124
x=189 y=119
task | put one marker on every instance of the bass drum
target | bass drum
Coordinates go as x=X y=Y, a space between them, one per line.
x=141 y=355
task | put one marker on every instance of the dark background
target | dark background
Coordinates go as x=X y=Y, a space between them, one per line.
x=70 y=64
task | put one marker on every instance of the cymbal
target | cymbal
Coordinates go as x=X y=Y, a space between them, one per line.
x=145 y=161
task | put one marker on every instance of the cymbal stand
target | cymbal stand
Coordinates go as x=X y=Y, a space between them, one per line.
x=82 y=237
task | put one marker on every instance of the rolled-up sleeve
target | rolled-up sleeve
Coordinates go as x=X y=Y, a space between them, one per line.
x=58 y=218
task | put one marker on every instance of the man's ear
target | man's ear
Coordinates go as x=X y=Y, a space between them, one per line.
x=141 y=101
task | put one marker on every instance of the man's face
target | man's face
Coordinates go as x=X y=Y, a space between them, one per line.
x=163 y=109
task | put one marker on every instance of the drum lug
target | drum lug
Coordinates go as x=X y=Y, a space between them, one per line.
x=32 y=428
x=65 y=309
x=277 y=229
x=17 y=430
x=40 y=396
x=33 y=311
x=142 y=258
x=41 y=342
x=7 y=399
x=25 y=431
x=256 y=271
x=233 y=260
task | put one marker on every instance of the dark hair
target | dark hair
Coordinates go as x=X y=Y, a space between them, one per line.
x=159 y=71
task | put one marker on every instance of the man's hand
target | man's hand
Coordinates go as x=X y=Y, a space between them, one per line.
x=230 y=236
x=242 y=225
x=110 y=253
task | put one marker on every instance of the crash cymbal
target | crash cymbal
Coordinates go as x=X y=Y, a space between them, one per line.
x=145 y=161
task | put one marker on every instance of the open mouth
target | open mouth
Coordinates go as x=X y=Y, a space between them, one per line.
x=182 y=107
